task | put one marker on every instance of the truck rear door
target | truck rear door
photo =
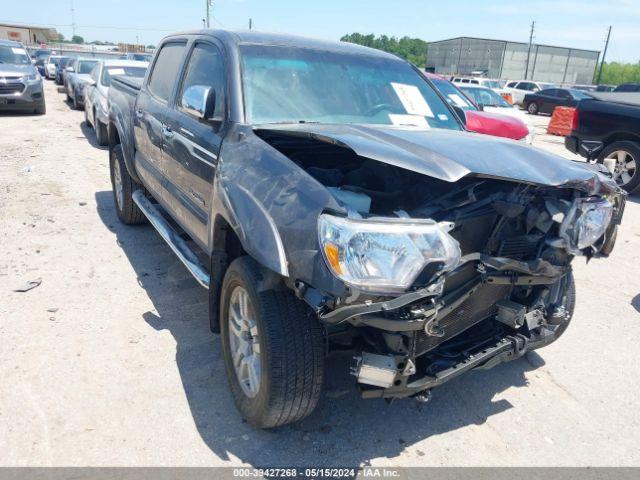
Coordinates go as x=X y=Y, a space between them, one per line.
x=149 y=114
x=192 y=144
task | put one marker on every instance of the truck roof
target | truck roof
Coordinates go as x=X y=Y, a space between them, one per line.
x=254 y=37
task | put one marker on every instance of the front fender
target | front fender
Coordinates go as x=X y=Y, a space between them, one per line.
x=273 y=207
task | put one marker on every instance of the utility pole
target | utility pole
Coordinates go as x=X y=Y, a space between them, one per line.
x=73 y=19
x=208 y=3
x=250 y=24
x=533 y=26
x=606 y=44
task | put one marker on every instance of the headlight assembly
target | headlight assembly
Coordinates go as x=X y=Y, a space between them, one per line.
x=585 y=223
x=593 y=220
x=385 y=255
x=31 y=79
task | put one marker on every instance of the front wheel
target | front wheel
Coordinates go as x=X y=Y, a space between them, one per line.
x=532 y=108
x=272 y=348
x=626 y=156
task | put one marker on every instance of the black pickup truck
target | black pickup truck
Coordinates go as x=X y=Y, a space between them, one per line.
x=606 y=129
x=329 y=198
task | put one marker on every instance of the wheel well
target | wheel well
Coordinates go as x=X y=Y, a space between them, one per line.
x=114 y=137
x=621 y=137
x=226 y=248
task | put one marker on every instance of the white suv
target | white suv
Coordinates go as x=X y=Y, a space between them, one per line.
x=519 y=88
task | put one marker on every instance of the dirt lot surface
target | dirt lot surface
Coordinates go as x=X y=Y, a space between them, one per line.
x=109 y=361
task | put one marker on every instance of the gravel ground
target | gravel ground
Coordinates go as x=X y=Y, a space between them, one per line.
x=110 y=360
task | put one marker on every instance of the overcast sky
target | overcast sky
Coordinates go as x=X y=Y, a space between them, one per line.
x=570 y=23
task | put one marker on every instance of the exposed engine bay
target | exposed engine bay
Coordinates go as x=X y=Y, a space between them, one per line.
x=489 y=278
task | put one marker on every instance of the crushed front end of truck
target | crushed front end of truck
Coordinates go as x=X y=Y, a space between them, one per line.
x=441 y=276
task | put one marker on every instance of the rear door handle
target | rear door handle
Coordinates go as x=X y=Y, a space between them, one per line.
x=166 y=131
x=139 y=113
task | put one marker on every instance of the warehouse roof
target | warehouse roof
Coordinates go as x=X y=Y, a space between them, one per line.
x=510 y=41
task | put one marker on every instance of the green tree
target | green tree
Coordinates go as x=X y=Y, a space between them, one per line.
x=77 y=39
x=615 y=73
x=412 y=49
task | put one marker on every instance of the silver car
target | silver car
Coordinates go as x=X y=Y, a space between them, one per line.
x=20 y=83
x=78 y=79
x=96 y=108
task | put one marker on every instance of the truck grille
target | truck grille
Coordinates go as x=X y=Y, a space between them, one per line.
x=10 y=88
x=479 y=306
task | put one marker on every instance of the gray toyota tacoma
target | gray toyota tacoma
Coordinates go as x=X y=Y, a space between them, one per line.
x=330 y=199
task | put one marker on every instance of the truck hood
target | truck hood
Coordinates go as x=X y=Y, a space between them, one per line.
x=451 y=155
x=11 y=70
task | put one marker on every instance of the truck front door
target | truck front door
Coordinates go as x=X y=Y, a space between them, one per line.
x=192 y=144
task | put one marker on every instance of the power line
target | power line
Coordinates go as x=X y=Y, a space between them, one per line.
x=111 y=27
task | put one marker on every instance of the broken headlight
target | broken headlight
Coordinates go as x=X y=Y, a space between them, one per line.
x=593 y=220
x=385 y=255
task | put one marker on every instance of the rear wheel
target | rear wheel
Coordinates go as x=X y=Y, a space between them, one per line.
x=76 y=102
x=532 y=108
x=627 y=158
x=123 y=188
x=272 y=348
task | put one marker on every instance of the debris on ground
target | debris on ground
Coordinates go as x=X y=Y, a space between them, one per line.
x=30 y=285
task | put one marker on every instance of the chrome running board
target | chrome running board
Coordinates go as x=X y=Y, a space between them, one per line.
x=186 y=255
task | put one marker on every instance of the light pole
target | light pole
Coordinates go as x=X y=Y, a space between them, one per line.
x=208 y=4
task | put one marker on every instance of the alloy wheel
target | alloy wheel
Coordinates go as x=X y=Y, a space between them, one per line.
x=625 y=168
x=117 y=183
x=244 y=342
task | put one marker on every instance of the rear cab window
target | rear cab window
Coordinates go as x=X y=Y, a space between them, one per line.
x=165 y=70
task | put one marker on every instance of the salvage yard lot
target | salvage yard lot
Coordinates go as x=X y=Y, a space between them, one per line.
x=110 y=361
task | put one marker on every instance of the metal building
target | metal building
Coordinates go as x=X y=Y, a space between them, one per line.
x=508 y=60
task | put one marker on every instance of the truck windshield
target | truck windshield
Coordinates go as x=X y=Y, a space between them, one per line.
x=14 y=55
x=289 y=85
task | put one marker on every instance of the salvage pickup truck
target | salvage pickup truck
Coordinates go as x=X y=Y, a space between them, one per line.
x=330 y=198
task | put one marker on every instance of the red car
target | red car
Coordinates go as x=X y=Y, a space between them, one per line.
x=476 y=120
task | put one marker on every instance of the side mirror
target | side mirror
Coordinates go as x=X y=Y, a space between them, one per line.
x=70 y=69
x=480 y=107
x=535 y=89
x=199 y=101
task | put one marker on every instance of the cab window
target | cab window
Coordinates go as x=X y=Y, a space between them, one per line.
x=166 y=69
x=205 y=69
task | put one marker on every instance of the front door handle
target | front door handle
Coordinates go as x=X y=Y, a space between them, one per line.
x=139 y=114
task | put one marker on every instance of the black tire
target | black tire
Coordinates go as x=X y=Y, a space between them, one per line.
x=291 y=338
x=76 y=102
x=101 y=132
x=633 y=150
x=532 y=108
x=41 y=109
x=569 y=305
x=128 y=212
